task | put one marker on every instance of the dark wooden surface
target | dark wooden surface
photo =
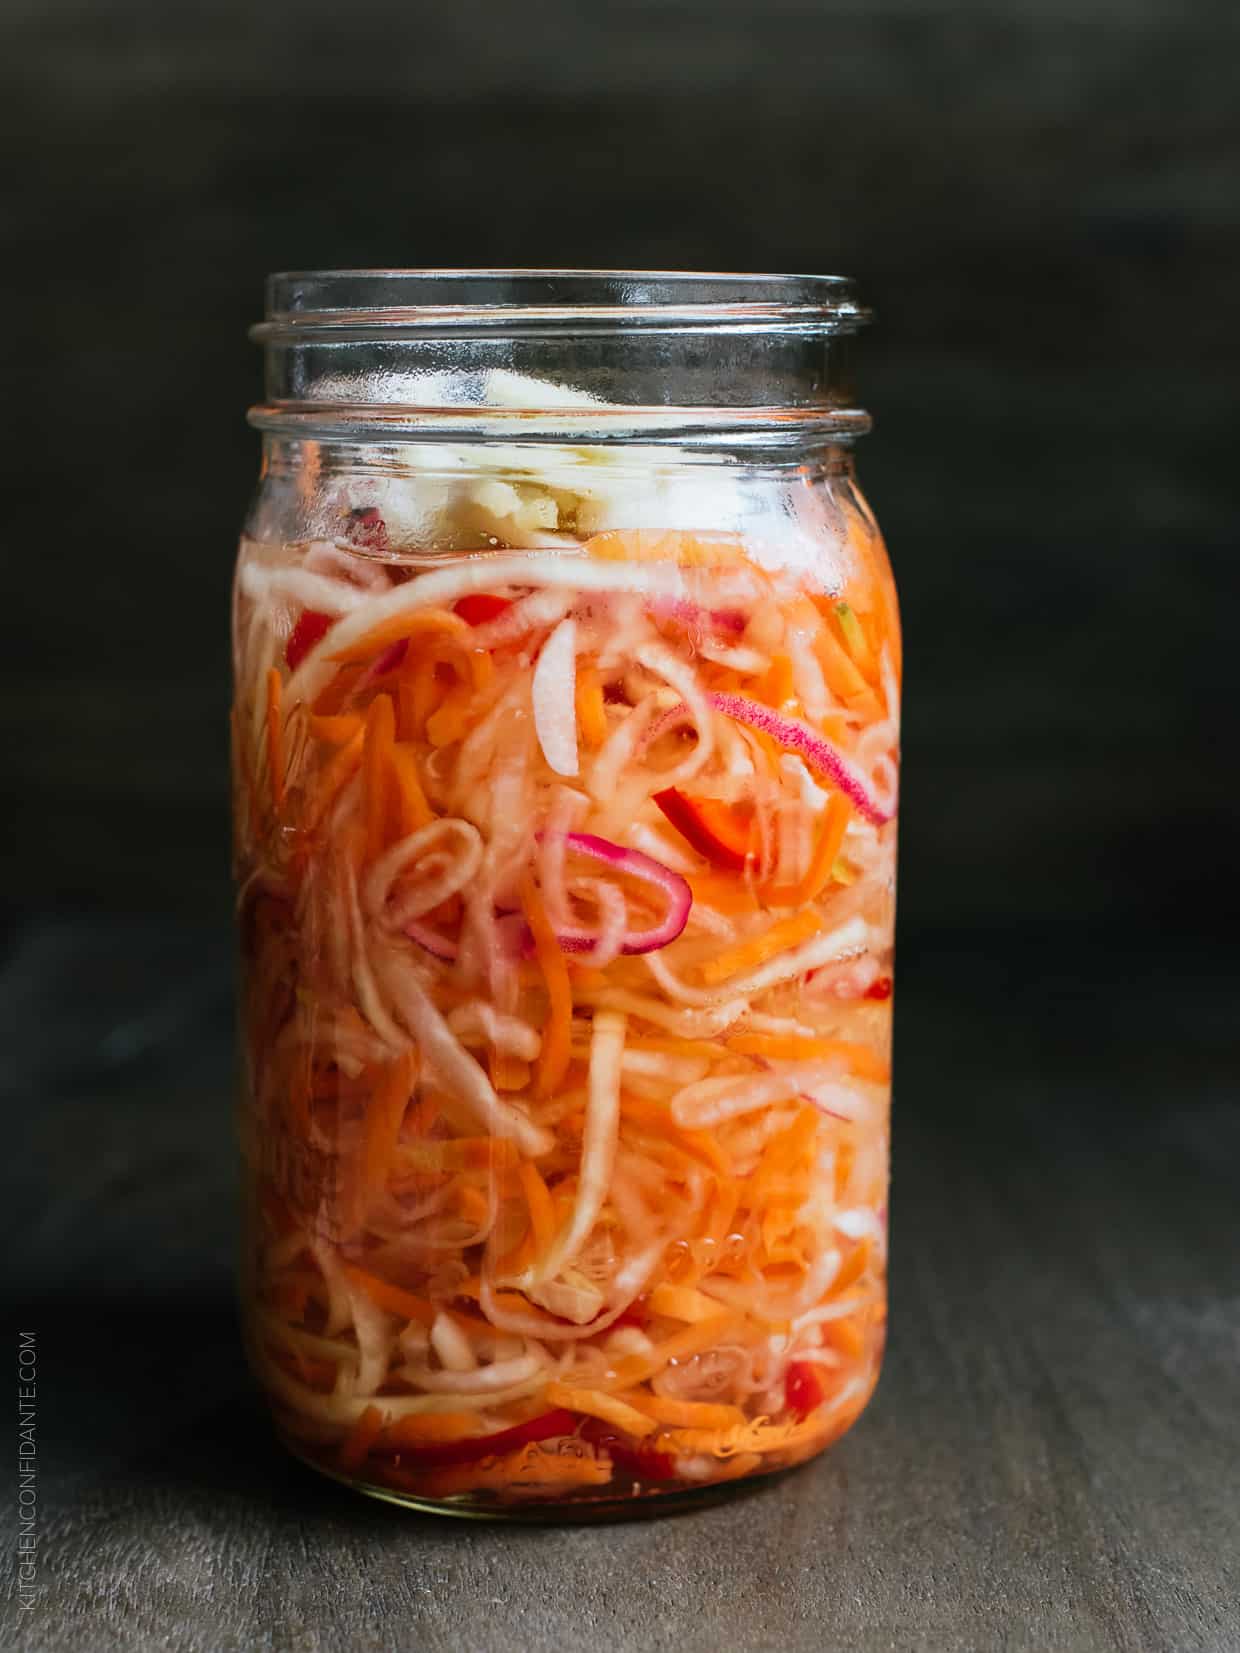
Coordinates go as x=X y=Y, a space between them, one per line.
x=1050 y=1465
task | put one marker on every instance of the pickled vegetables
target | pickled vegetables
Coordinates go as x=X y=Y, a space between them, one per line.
x=566 y=887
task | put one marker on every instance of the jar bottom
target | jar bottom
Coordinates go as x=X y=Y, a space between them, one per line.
x=600 y=1505
x=650 y=1506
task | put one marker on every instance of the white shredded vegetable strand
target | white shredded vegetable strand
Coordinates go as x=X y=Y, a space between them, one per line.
x=553 y=692
x=598 y=1142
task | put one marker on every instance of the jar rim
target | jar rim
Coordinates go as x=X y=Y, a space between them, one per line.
x=360 y=304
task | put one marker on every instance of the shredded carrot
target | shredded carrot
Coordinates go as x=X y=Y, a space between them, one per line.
x=336 y=731
x=556 y=1046
x=838 y=666
x=851 y=1269
x=380 y=741
x=508 y=1073
x=757 y=1435
x=474 y=1207
x=723 y=891
x=400 y=628
x=705 y=550
x=747 y=955
x=415 y=812
x=591 y=714
x=683 y=1303
x=392 y=1299
x=338 y=773
x=427 y=1428
x=542 y=1213
x=859 y=1059
x=686 y=1414
x=357 y=1443
x=847 y=1335
x=452 y=721
x=818 y=875
x=275 y=738
x=595 y=1404
x=775 y=686
x=853 y=636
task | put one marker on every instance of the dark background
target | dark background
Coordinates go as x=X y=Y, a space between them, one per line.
x=1042 y=200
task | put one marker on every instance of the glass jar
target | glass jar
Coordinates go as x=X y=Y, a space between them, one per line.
x=565 y=734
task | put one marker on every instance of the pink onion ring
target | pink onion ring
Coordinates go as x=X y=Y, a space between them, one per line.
x=807 y=743
x=576 y=939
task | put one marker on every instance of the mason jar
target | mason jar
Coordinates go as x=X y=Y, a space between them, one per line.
x=567 y=672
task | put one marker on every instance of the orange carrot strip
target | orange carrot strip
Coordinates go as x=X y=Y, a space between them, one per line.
x=414 y=810
x=747 y=955
x=336 y=731
x=705 y=550
x=855 y=640
x=473 y=1203
x=556 y=1046
x=275 y=738
x=399 y=628
x=542 y=1212
x=859 y=1059
x=380 y=742
x=818 y=874
x=595 y=1404
x=591 y=715
x=851 y=1269
x=838 y=666
x=846 y=1335
x=725 y=892
x=332 y=782
x=363 y=1435
x=425 y=1428
x=775 y=686
x=452 y=720
x=682 y=1303
x=687 y=1414
x=756 y=1435
x=392 y=1299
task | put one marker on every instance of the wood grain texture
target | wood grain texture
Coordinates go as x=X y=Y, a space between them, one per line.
x=1049 y=1465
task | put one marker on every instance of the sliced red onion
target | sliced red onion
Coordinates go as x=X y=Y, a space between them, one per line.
x=636 y=865
x=817 y=751
x=693 y=614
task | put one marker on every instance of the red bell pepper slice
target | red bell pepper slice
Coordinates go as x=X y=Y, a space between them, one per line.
x=310 y=629
x=803 y=1391
x=723 y=834
x=542 y=1428
x=479 y=607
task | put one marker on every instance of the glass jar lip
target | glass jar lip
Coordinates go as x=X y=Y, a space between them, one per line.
x=355 y=305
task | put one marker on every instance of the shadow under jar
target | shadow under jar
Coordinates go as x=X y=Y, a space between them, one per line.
x=565 y=740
